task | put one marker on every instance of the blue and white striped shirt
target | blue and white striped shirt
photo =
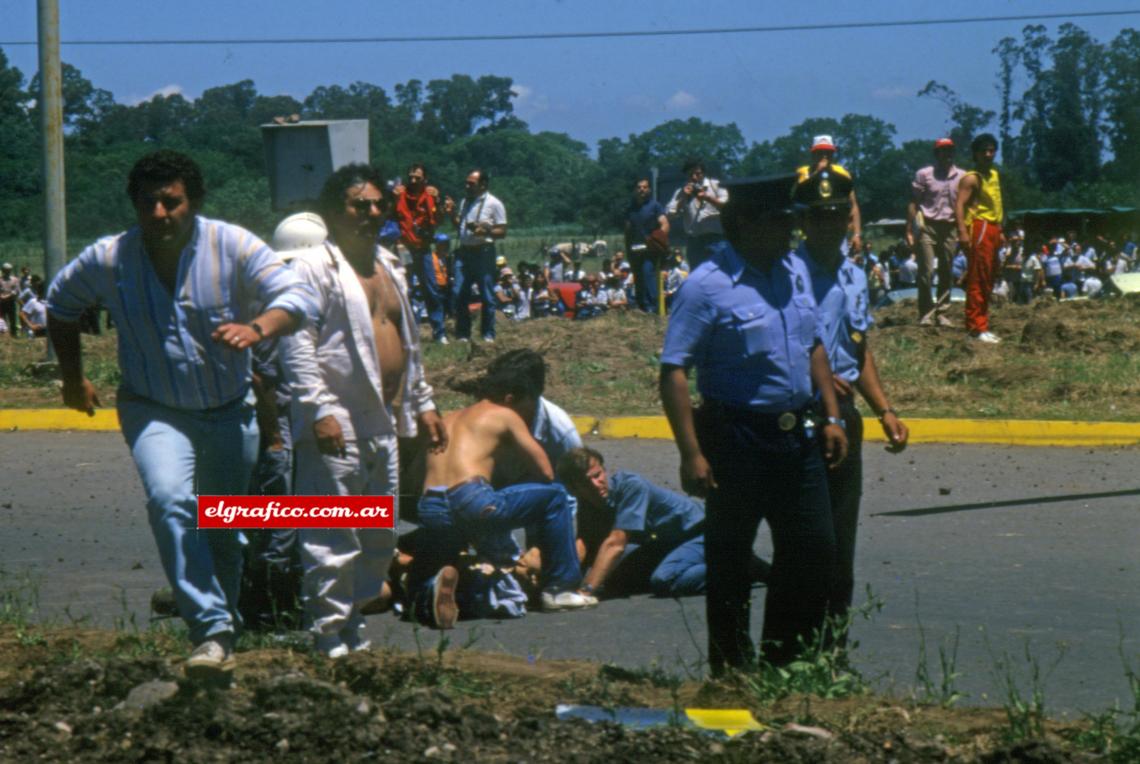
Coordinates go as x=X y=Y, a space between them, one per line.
x=225 y=274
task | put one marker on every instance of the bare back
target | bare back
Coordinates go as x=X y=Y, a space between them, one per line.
x=384 y=307
x=479 y=436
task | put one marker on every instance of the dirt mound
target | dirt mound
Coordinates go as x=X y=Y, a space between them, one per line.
x=85 y=704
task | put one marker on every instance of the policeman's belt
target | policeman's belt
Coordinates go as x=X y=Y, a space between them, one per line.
x=475 y=247
x=785 y=421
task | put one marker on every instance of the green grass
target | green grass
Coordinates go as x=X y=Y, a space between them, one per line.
x=1067 y=361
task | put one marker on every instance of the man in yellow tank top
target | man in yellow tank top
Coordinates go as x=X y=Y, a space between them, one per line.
x=978 y=211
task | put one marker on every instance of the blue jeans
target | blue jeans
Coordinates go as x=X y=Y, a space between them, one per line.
x=434 y=295
x=645 y=285
x=475 y=511
x=180 y=454
x=475 y=270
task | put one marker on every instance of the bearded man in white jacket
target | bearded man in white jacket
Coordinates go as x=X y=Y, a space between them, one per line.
x=358 y=383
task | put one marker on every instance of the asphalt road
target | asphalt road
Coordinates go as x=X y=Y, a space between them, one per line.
x=1005 y=546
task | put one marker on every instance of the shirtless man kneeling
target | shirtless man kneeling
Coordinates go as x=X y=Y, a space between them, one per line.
x=459 y=505
x=358 y=382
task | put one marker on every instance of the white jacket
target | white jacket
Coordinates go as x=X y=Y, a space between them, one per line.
x=332 y=363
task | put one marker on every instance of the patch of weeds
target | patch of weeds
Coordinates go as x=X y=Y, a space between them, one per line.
x=1115 y=733
x=943 y=690
x=157 y=640
x=431 y=672
x=19 y=599
x=1024 y=707
x=295 y=641
x=653 y=674
x=823 y=668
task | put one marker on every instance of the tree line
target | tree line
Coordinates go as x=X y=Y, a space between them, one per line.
x=1068 y=120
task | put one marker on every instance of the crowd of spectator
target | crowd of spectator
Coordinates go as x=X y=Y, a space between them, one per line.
x=562 y=287
x=1061 y=266
x=23 y=312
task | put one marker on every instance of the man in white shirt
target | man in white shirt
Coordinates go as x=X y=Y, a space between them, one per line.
x=481 y=220
x=362 y=354
x=698 y=204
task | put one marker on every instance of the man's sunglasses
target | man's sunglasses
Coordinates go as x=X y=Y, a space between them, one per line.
x=364 y=206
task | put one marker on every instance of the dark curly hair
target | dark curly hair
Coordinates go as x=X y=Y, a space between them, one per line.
x=166 y=166
x=331 y=200
x=519 y=372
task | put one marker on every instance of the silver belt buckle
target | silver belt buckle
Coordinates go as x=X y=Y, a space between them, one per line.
x=787 y=421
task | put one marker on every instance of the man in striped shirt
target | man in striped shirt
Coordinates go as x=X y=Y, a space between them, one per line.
x=181 y=290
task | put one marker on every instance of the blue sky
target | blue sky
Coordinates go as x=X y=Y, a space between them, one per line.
x=591 y=89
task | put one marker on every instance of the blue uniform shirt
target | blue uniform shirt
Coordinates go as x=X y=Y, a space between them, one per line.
x=649 y=513
x=843 y=313
x=748 y=332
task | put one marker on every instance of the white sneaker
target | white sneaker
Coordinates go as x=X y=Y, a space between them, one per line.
x=212 y=659
x=489 y=339
x=568 y=600
x=442 y=341
x=987 y=337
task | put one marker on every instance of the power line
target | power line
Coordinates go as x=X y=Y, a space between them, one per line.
x=588 y=35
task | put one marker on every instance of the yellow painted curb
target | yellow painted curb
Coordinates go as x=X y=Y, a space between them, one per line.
x=57 y=419
x=635 y=427
x=1015 y=432
x=1012 y=432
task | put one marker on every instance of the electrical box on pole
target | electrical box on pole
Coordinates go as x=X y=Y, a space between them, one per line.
x=300 y=156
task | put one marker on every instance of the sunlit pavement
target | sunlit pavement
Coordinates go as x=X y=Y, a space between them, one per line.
x=1006 y=545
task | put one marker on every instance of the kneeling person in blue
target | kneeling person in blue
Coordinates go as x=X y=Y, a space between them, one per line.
x=637 y=536
x=460 y=506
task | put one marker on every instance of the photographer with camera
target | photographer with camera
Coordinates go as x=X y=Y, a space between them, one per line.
x=698 y=204
x=481 y=220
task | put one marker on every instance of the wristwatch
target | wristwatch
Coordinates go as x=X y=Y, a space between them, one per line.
x=257 y=328
x=837 y=420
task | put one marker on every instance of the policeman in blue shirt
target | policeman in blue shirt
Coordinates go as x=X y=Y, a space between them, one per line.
x=840 y=290
x=746 y=319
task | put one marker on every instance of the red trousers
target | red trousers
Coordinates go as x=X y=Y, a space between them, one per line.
x=981 y=267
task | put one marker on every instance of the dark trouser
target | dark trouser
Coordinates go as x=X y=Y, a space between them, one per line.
x=937 y=243
x=475 y=271
x=764 y=473
x=645 y=267
x=435 y=296
x=8 y=313
x=845 y=486
x=271 y=572
x=1024 y=292
x=697 y=248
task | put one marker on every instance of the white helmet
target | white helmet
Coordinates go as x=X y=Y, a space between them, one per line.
x=299 y=231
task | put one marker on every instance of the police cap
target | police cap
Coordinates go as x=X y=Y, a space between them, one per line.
x=766 y=196
x=823 y=189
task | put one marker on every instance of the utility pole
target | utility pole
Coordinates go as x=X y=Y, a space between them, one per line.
x=51 y=129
